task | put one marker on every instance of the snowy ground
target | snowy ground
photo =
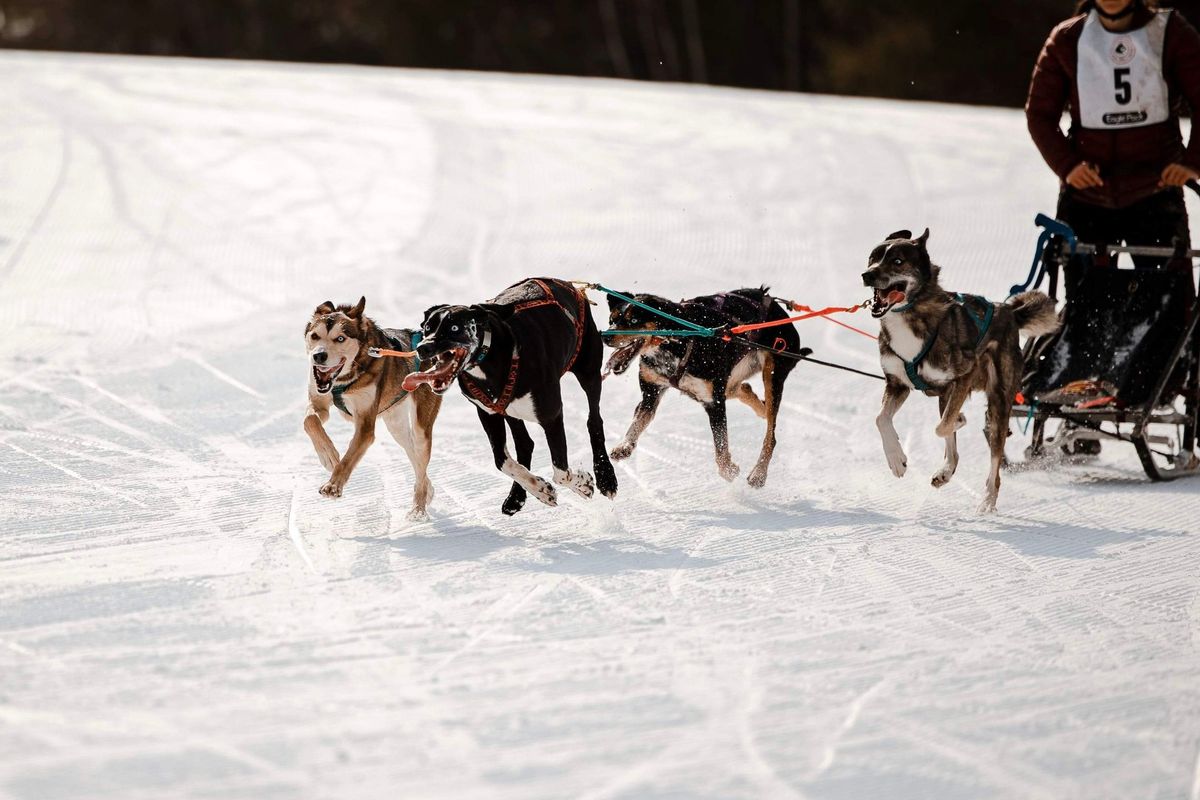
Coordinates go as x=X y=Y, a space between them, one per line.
x=182 y=615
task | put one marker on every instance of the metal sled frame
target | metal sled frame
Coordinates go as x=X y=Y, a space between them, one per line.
x=1131 y=424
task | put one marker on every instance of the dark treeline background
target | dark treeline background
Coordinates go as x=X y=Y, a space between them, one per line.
x=969 y=51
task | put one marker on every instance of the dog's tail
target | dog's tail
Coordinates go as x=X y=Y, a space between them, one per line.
x=1034 y=312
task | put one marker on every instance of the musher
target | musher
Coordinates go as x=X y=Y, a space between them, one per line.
x=1122 y=67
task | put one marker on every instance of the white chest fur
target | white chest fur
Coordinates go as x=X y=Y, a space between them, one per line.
x=520 y=407
x=901 y=338
x=359 y=401
x=907 y=345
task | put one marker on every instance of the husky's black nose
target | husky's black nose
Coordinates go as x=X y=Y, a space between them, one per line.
x=868 y=277
x=320 y=356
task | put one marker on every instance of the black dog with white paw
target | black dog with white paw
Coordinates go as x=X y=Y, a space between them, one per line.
x=508 y=356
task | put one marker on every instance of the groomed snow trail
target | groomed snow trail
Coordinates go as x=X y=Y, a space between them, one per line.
x=181 y=615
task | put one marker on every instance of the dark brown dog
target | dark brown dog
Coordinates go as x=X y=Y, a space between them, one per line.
x=365 y=389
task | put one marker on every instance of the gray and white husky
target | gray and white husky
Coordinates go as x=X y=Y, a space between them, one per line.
x=947 y=345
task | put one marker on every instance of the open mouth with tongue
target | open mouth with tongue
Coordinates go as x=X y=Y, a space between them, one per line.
x=439 y=377
x=883 y=300
x=624 y=354
x=324 y=375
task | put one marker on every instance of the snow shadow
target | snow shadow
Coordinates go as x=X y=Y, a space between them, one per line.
x=598 y=557
x=1053 y=538
x=796 y=516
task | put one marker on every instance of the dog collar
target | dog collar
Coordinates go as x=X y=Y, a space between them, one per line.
x=485 y=347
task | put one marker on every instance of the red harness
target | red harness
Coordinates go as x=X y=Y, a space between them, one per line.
x=499 y=405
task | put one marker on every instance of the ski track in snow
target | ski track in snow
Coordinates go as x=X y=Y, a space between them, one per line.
x=182 y=615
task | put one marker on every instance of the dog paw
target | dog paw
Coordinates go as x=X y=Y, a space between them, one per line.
x=897 y=461
x=544 y=492
x=728 y=471
x=622 y=451
x=512 y=504
x=988 y=506
x=578 y=480
x=606 y=479
x=333 y=489
x=942 y=477
x=758 y=477
x=417 y=515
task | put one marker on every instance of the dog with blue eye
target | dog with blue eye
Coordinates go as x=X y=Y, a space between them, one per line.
x=345 y=375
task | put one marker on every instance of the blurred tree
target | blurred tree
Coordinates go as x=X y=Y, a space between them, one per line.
x=970 y=52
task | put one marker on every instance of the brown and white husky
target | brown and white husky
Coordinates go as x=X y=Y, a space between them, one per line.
x=344 y=374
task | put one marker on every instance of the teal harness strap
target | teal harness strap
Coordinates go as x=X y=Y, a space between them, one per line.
x=656 y=332
x=337 y=393
x=910 y=367
x=697 y=330
x=398 y=342
x=982 y=324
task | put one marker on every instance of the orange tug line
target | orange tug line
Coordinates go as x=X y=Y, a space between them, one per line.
x=379 y=352
x=809 y=313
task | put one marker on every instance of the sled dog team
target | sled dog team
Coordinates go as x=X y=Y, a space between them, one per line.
x=508 y=355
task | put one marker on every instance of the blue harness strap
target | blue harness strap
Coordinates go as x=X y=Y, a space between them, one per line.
x=982 y=324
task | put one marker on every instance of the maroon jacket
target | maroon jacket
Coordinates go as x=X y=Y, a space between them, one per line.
x=1131 y=161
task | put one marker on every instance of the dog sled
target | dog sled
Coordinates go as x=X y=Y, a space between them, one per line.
x=1125 y=362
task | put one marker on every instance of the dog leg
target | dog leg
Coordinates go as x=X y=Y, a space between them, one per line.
x=579 y=481
x=952 y=416
x=314 y=426
x=404 y=423
x=493 y=425
x=1000 y=400
x=720 y=433
x=746 y=394
x=894 y=395
x=524 y=445
x=943 y=475
x=364 y=435
x=652 y=394
x=606 y=476
x=773 y=388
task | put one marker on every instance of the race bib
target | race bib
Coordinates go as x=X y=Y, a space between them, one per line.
x=1120 y=75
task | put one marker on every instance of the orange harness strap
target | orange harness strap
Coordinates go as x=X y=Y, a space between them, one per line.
x=809 y=313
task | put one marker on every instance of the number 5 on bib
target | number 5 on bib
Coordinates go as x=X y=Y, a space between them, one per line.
x=1120 y=75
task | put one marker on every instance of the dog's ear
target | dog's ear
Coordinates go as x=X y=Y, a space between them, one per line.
x=357 y=311
x=615 y=303
x=900 y=234
x=325 y=308
x=926 y=264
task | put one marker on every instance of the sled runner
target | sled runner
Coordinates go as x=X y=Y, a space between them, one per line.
x=1125 y=363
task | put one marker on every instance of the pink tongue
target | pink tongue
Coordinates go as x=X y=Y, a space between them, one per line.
x=413 y=380
x=895 y=296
